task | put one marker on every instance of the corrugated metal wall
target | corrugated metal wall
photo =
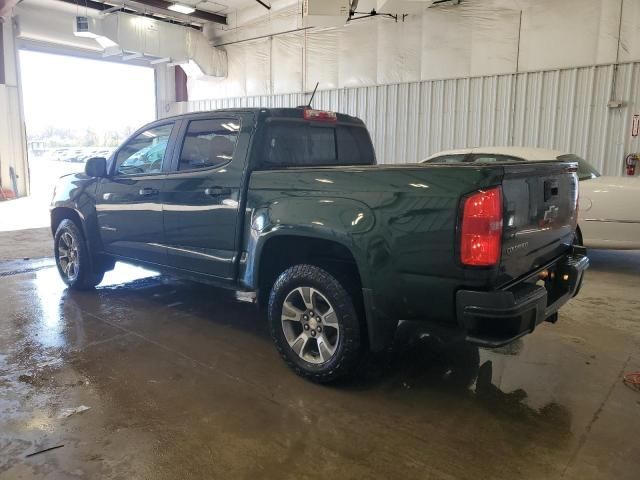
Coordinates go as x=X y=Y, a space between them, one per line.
x=560 y=109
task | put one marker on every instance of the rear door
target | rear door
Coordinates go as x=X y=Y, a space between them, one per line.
x=203 y=193
x=540 y=205
x=128 y=202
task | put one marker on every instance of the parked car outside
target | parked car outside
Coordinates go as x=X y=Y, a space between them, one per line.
x=289 y=207
x=607 y=216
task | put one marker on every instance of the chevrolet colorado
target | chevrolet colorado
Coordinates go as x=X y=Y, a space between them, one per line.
x=289 y=206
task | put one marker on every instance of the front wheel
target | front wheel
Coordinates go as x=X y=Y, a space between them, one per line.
x=314 y=324
x=72 y=258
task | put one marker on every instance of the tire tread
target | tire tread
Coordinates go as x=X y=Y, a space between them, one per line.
x=88 y=277
x=350 y=353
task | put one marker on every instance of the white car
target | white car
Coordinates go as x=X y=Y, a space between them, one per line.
x=609 y=216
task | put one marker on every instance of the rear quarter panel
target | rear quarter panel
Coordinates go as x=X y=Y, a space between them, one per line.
x=398 y=222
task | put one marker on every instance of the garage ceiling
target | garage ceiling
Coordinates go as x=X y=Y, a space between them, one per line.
x=157 y=8
x=221 y=7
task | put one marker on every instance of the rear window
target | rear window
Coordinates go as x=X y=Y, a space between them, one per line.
x=289 y=144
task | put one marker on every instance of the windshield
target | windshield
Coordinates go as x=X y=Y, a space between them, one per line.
x=586 y=171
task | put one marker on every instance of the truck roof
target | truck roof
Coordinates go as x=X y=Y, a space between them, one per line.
x=296 y=112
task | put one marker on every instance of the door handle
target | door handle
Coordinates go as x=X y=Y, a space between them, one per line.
x=147 y=192
x=217 y=191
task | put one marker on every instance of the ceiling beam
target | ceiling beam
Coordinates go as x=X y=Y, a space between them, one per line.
x=200 y=14
x=161 y=4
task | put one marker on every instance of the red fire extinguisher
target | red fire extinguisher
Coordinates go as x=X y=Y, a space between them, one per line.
x=631 y=161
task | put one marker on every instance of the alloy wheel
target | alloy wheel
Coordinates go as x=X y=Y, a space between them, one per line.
x=310 y=325
x=68 y=257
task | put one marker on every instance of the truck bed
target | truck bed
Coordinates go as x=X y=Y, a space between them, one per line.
x=401 y=222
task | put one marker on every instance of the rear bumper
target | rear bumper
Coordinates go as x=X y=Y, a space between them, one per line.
x=493 y=319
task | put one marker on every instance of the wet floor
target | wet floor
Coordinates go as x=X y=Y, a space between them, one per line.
x=182 y=381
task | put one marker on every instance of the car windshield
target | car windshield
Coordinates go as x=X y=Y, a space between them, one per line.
x=586 y=171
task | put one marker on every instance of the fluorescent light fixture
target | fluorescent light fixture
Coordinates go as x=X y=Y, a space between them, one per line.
x=181 y=8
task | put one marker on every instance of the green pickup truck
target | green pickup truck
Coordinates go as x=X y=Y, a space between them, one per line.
x=289 y=207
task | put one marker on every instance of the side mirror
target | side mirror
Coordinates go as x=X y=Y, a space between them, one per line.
x=96 y=167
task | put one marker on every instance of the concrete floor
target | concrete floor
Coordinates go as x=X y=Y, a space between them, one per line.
x=183 y=382
x=26 y=244
x=25 y=230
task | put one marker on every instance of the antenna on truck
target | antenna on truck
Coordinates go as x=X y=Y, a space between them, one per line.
x=313 y=95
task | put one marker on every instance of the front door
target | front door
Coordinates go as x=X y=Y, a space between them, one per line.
x=128 y=202
x=202 y=198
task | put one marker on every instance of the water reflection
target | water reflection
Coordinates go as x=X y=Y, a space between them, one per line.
x=422 y=366
x=124 y=274
x=54 y=314
x=422 y=363
x=49 y=299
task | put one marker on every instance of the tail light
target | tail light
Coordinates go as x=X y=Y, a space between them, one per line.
x=481 y=228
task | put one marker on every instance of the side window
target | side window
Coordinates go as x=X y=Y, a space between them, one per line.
x=491 y=158
x=144 y=153
x=447 y=159
x=208 y=143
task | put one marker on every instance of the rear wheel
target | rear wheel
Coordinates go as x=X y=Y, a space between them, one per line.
x=314 y=324
x=577 y=240
x=73 y=259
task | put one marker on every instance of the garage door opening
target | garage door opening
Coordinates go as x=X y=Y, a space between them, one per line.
x=75 y=109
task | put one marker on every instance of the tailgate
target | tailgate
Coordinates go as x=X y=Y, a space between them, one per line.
x=540 y=202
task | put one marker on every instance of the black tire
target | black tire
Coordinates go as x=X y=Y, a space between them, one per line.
x=578 y=241
x=578 y=237
x=346 y=358
x=83 y=276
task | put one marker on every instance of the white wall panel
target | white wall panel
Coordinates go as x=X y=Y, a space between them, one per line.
x=494 y=42
x=560 y=109
x=567 y=37
x=321 y=61
x=400 y=45
x=358 y=54
x=474 y=38
x=446 y=41
x=630 y=31
x=258 y=71
x=287 y=61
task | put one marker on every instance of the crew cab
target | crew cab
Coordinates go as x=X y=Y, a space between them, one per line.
x=289 y=207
